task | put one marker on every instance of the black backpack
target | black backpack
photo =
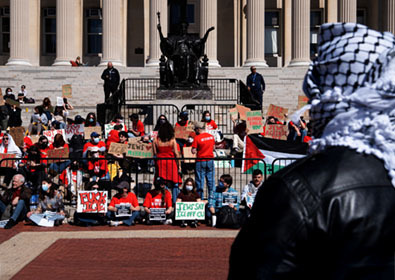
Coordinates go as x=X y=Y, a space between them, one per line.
x=76 y=144
x=227 y=218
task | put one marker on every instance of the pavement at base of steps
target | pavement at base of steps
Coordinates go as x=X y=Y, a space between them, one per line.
x=24 y=247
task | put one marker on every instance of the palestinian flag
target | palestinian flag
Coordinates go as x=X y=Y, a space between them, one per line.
x=267 y=149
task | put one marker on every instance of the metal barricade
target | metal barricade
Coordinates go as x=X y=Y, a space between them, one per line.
x=224 y=89
x=139 y=89
x=219 y=113
x=280 y=163
x=149 y=114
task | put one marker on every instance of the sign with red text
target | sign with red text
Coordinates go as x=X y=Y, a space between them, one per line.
x=50 y=134
x=276 y=131
x=182 y=132
x=140 y=150
x=74 y=129
x=277 y=112
x=92 y=202
x=57 y=153
x=242 y=111
x=7 y=163
x=254 y=122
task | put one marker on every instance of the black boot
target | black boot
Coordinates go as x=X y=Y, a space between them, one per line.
x=10 y=224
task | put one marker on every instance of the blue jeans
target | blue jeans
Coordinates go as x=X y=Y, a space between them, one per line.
x=59 y=167
x=174 y=192
x=126 y=220
x=205 y=170
x=19 y=212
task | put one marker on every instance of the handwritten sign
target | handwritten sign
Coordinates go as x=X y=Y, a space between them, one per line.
x=254 y=122
x=118 y=148
x=5 y=162
x=277 y=112
x=229 y=198
x=108 y=127
x=18 y=134
x=89 y=129
x=50 y=134
x=182 y=132
x=57 y=153
x=73 y=129
x=66 y=91
x=190 y=211
x=187 y=152
x=302 y=101
x=276 y=131
x=242 y=111
x=92 y=202
x=139 y=150
x=157 y=214
x=234 y=114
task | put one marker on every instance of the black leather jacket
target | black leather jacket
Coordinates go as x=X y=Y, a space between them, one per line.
x=327 y=216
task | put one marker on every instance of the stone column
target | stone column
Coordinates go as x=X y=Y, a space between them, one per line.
x=300 y=33
x=154 y=43
x=389 y=8
x=331 y=10
x=114 y=32
x=347 y=10
x=287 y=15
x=25 y=33
x=68 y=31
x=208 y=18
x=255 y=34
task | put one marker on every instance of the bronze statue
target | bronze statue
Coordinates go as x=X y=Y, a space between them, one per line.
x=180 y=64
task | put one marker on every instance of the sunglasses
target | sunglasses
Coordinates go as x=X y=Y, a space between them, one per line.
x=6 y=138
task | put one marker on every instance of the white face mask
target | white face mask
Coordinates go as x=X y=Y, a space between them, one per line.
x=189 y=187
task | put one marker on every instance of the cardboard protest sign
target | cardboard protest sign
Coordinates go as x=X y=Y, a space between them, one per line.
x=108 y=127
x=190 y=211
x=13 y=102
x=140 y=150
x=182 y=132
x=88 y=130
x=66 y=91
x=157 y=214
x=7 y=163
x=74 y=129
x=134 y=140
x=242 y=111
x=50 y=134
x=57 y=153
x=277 y=112
x=187 y=152
x=302 y=101
x=234 y=114
x=59 y=101
x=18 y=134
x=92 y=202
x=118 y=148
x=254 y=122
x=2 y=102
x=276 y=131
x=229 y=198
x=153 y=134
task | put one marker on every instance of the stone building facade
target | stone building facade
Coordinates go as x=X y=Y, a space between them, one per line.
x=274 y=33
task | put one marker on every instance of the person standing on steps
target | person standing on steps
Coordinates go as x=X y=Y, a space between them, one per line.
x=111 y=81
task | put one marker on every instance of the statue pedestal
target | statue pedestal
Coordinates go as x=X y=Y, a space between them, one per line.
x=183 y=94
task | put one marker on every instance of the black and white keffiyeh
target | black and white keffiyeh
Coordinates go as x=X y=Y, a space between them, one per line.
x=351 y=87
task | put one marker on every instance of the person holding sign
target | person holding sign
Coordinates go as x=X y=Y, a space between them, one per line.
x=18 y=196
x=160 y=197
x=124 y=208
x=250 y=190
x=203 y=145
x=95 y=142
x=38 y=121
x=188 y=194
x=224 y=196
x=165 y=146
x=50 y=205
x=59 y=144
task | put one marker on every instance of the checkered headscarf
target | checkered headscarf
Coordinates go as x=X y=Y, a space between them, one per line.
x=351 y=87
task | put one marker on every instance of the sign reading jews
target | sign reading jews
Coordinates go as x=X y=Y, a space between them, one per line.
x=190 y=211
x=92 y=202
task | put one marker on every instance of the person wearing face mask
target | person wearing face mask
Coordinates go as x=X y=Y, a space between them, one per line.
x=43 y=147
x=72 y=178
x=97 y=169
x=218 y=201
x=210 y=123
x=94 y=142
x=38 y=121
x=50 y=204
x=161 y=120
x=189 y=194
x=91 y=120
x=124 y=208
x=160 y=197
